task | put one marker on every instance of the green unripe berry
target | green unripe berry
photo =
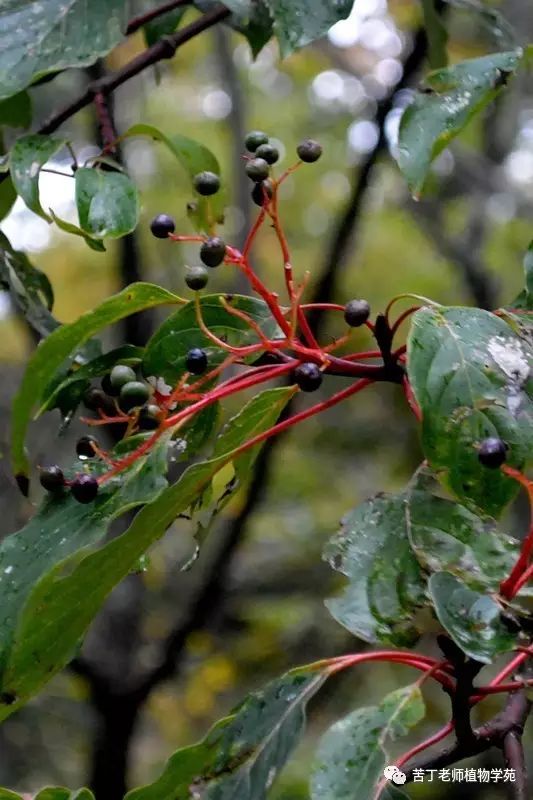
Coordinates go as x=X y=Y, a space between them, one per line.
x=120 y=375
x=206 y=183
x=133 y=394
x=268 y=152
x=197 y=278
x=254 y=140
x=257 y=169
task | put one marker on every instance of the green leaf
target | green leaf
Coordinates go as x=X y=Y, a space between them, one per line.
x=447 y=536
x=16 y=111
x=41 y=36
x=351 y=756
x=453 y=96
x=8 y=195
x=386 y=585
x=472 y=619
x=66 y=391
x=167 y=349
x=7 y=794
x=26 y=159
x=47 y=359
x=471 y=376
x=194 y=157
x=243 y=753
x=107 y=202
x=35 y=638
x=300 y=22
x=29 y=288
x=437 y=35
x=163 y=25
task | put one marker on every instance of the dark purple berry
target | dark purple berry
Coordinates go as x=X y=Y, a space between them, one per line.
x=162 y=225
x=84 y=488
x=212 y=251
x=52 y=479
x=206 y=183
x=108 y=387
x=254 y=140
x=308 y=377
x=196 y=361
x=492 y=452
x=356 y=313
x=257 y=169
x=95 y=399
x=260 y=190
x=84 y=447
x=267 y=152
x=133 y=394
x=309 y=151
x=197 y=278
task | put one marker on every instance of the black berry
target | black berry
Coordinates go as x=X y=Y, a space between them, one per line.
x=120 y=375
x=133 y=394
x=356 y=313
x=212 y=251
x=84 y=488
x=257 y=169
x=206 y=183
x=196 y=278
x=308 y=377
x=268 y=152
x=84 y=447
x=196 y=361
x=260 y=190
x=149 y=417
x=162 y=225
x=95 y=399
x=254 y=140
x=492 y=452
x=309 y=151
x=52 y=479
x=108 y=387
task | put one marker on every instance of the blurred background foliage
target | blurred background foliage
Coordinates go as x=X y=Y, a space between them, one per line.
x=477 y=216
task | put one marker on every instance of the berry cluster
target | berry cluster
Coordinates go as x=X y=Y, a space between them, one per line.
x=126 y=399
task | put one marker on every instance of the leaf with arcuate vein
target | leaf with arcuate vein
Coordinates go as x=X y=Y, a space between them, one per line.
x=29 y=288
x=351 y=756
x=26 y=159
x=472 y=619
x=242 y=754
x=54 y=582
x=471 y=375
x=76 y=33
x=53 y=351
x=453 y=96
x=60 y=534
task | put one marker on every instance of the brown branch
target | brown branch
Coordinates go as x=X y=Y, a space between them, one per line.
x=143 y=19
x=503 y=731
x=163 y=49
